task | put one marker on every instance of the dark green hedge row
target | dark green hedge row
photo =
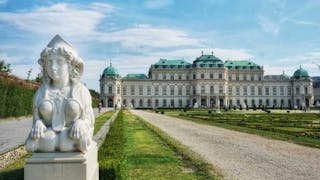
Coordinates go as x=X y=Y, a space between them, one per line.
x=15 y=99
x=111 y=152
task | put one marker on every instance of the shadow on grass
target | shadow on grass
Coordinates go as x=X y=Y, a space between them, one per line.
x=12 y=174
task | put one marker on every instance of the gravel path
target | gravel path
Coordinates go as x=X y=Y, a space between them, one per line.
x=13 y=133
x=240 y=155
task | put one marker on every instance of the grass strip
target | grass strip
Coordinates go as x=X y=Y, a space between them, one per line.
x=110 y=155
x=202 y=169
x=268 y=134
x=100 y=120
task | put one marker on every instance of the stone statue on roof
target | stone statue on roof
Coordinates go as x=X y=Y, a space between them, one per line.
x=63 y=118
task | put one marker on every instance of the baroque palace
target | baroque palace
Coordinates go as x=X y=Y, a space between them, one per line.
x=205 y=83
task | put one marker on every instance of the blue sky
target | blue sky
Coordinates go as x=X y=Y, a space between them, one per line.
x=280 y=35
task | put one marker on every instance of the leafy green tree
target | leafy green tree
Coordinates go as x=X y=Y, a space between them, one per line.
x=4 y=68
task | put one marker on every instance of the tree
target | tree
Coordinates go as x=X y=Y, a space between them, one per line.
x=4 y=68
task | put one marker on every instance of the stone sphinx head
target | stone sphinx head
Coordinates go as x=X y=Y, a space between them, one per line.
x=59 y=50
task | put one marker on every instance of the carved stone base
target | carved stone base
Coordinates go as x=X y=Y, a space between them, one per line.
x=63 y=166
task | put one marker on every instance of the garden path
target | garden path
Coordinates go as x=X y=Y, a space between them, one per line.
x=13 y=133
x=240 y=155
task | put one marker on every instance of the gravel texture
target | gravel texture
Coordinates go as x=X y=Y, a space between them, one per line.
x=240 y=155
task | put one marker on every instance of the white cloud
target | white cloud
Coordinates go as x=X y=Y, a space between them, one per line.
x=157 y=4
x=3 y=2
x=268 y=25
x=147 y=36
x=59 y=18
x=305 y=23
x=308 y=61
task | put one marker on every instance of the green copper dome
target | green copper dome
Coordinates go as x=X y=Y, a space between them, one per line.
x=300 y=73
x=110 y=71
x=284 y=76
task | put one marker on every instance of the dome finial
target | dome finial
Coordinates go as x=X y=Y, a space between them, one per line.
x=202 y=53
x=212 y=53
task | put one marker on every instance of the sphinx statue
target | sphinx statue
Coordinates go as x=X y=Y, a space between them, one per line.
x=63 y=118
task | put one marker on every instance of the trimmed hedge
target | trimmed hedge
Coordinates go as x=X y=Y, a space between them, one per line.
x=111 y=153
x=15 y=99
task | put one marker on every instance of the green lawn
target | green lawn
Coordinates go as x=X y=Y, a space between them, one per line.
x=144 y=154
x=301 y=128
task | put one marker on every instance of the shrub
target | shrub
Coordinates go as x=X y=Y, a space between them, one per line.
x=209 y=112
x=162 y=112
x=240 y=107
x=111 y=153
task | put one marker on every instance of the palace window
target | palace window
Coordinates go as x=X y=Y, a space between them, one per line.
x=164 y=77
x=259 y=91
x=275 y=103
x=211 y=76
x=202 y=76
x=132 y=90
x=297 y=90
x=149 y=103
x=172 y=77
x=220 y=76
x=252 y=93
x=252 y=102
x=267 y=91
x=164 y=90
x=281 y=90
x=238 y=102
x=260 y=78
x=289 y=91
x=244 y=77
x=194 y=76
x=274 y=90
x=172 y=103
x=164 y=103
x=148 y=90
x=260 y=102
x=211 y=90
x=230 y=90
x=124 y=90
x=124 y=102
x=230 y=77
x=188 y=90
x=237 y=77
x=180 y=90
x=180 y=102
x=179 y=77
x=194 y=90
x=140 y=102
x=156 y=103
x=110 y=89
x=156 y=90
x=220 y=89
x=172 y=90
x=238 y=91
x=230 y=102
x=267 y=103
x=140 y=90
x=305 y=90
x=203 y=89
x=252 y=78
x=245 y=90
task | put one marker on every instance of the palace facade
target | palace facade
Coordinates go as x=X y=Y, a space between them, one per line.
x=206 y=82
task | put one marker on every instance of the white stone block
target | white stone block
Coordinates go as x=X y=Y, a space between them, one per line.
x=63 y=166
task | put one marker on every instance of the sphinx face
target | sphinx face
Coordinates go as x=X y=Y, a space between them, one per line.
x=57 y=67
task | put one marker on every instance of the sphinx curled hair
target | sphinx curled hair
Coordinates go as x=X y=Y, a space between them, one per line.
x=75 y=63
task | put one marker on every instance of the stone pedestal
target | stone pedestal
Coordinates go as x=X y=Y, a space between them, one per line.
x=63 y=166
